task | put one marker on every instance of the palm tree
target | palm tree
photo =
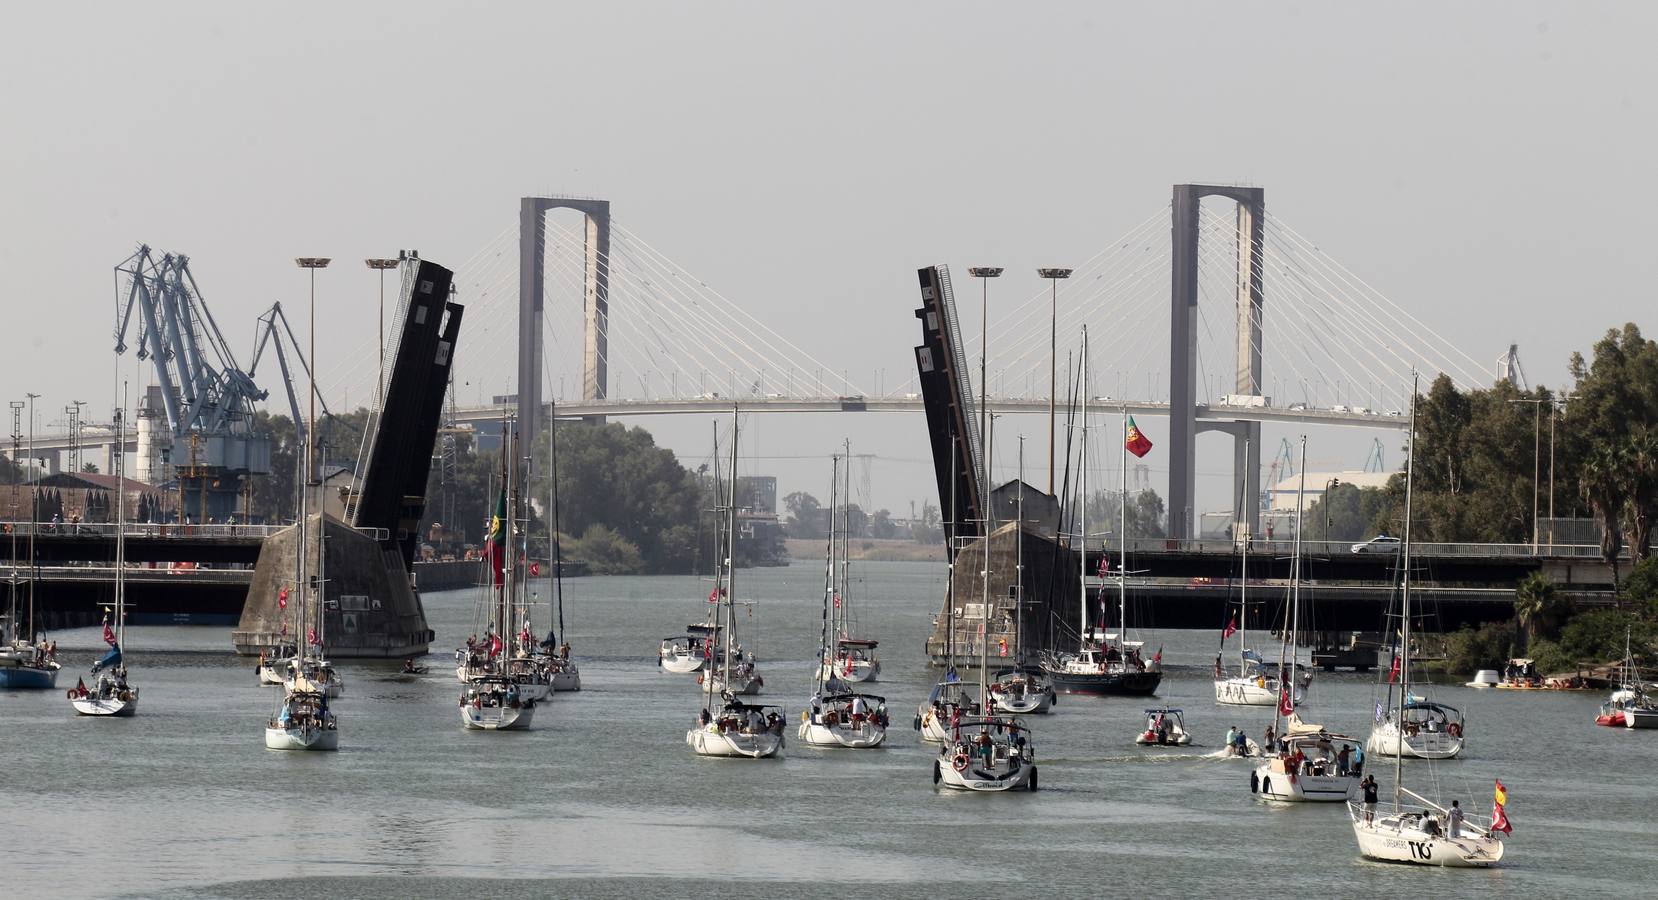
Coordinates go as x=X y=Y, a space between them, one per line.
x=1640 y=458
x=1601 y=483
x=1535 y=602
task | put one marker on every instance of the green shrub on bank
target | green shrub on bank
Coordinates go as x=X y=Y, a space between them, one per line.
x=1488 y=647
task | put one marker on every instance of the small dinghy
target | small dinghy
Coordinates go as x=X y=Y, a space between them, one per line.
x=1165 y=727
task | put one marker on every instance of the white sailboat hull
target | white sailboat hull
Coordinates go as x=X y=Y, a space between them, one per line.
x=272 y=674
x=1003 y=776
x=1389 y=840
x=567 y=679
x=1248 y=692
x=863 y=670
x=739 y=686
x=935 y=729
x=1284 y=788
x=866 y=735
x=497 y=718
x=302 y=738
x=682 y=664
x=1385 y=741
x=106 y=706
x=710 y=741
x=1637 y=717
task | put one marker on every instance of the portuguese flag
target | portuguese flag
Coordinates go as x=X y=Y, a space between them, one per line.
x=495 y=546
x=1138 y=444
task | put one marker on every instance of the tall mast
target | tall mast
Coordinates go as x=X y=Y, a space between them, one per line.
x=1243 y=593
x=34 y=526
x=950 y=562
x=731 y=547
x=984 y=577
x=119 y=452
x=1019 y=566
x=1122 y=539
x=825 y=658
x=1404 y=593
x=1082 y=532
x=1295 y=579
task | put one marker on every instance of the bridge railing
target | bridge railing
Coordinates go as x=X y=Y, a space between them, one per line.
x=135 y=529
x=1285 y=546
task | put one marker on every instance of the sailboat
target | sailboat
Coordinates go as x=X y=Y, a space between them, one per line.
x=736 y=729
x=1255 y=684
x=112 y=694
x=1418 y=835
x=24 y=662
x=987 y=753
x=839 y=715
x=1415 y=726
x=848 y=658
x=950 y=699
x=504 y=685
x=1311 y=764
x=1021 y=689
x=302 y=720
x=311 y=665
x=563 y=673
x=1104 y=663
x=1629 y=706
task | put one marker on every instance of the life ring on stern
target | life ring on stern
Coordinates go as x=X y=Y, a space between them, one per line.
x=960 y=762
x=1454 y=730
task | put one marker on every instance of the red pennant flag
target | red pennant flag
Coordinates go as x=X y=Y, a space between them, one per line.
x=535 y=569
x=494 y=644
x=311 y=636
x=837 y=601
x=714 y=595
x=282 y=598
x=1499 y=821
x=1393 y=671
x=109 y=634
x=1138 y=444
x=1158 y=656
x=1286 y=704
x=1231 y=628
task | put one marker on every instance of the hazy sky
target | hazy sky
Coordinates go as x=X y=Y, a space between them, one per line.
x=1481 y=163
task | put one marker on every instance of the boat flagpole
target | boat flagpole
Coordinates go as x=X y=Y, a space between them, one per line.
x=1122 y=545
x=1082 y=536
x=1243 y=592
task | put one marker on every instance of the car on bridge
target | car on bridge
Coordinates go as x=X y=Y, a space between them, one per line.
x=1381 y=543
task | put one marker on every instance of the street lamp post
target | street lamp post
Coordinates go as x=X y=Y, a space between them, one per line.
x=1053 y=276
x=1329 y=486
x=381 y=265
x=984 y=274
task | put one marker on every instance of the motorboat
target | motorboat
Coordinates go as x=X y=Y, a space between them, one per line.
x=738 y=729
x=1022 y=691
x=28 y=666
x=1431 y=731
x=849 y=719
x=303 y=722
x=946 y=706
x=1165 y=727
x=1521 y=675
x=1484 y=678
x=988 y=754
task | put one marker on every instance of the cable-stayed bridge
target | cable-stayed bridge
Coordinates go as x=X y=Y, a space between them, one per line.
x=567 y=304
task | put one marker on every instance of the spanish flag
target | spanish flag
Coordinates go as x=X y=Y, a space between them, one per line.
x=1137 y=444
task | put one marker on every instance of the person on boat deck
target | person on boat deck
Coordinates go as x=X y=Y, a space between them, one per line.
x=1232 y=738
x=1369 y=786
x=1358 y=758
x=986 y=749
x=1453 y=820
x=1343 y=758
x=703 y=717
x=1430 y=825
x=1271 y=740
x=860 y=710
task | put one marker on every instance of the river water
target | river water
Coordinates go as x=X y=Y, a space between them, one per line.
x=602 y=798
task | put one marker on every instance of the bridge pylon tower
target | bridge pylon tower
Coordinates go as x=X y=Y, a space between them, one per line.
x=1183 y=422
x=532 y=259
